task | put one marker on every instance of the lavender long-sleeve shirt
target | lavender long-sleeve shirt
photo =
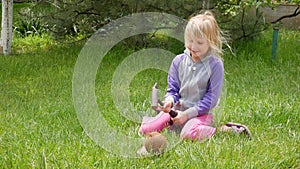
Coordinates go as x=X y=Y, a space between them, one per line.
x=196 y=86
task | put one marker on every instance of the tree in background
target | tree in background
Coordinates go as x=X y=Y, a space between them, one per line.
x=6 y=31
x=83 y=17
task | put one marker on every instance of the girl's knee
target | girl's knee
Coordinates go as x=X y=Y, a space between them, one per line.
x=154 y=124
x=200 y=133
x=145 y=129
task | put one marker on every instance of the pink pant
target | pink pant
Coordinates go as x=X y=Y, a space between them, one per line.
x=196 y=128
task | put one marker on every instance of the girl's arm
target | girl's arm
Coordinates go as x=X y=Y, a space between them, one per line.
x=173 y=81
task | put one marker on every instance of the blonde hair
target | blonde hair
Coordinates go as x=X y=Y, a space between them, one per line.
x=205 y=26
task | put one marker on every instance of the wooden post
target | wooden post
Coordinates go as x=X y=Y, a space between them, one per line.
x=6 y=32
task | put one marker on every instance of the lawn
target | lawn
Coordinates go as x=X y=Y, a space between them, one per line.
x=39 y=127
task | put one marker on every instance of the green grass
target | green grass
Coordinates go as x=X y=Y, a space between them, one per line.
x=39 y=126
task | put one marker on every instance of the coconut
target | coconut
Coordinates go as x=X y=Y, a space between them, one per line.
x=155 y=143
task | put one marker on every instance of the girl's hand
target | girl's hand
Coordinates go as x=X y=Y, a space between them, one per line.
x=181 y=118
x=167 y=107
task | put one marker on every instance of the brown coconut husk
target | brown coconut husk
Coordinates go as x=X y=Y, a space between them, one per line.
x=155 y=143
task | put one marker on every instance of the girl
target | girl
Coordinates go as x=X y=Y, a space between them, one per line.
x=195 y=81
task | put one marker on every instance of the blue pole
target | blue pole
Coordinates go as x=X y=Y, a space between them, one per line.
x=275 y=42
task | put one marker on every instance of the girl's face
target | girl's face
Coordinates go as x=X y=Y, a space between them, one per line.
x=198 y=47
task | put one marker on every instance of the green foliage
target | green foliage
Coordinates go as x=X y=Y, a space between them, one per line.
x=78 y=19
x=29 y=26
x=16 y=8
x=85 y=17
x=32 y=43
x=27 y=22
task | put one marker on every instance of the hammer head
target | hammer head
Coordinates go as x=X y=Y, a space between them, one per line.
x=154 y=97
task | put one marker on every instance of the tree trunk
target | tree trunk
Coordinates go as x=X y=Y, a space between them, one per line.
x=6 y=32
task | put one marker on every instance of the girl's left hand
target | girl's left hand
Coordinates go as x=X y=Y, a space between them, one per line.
x=181 y=118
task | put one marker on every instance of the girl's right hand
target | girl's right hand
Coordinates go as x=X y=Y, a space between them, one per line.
x=167 y=106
